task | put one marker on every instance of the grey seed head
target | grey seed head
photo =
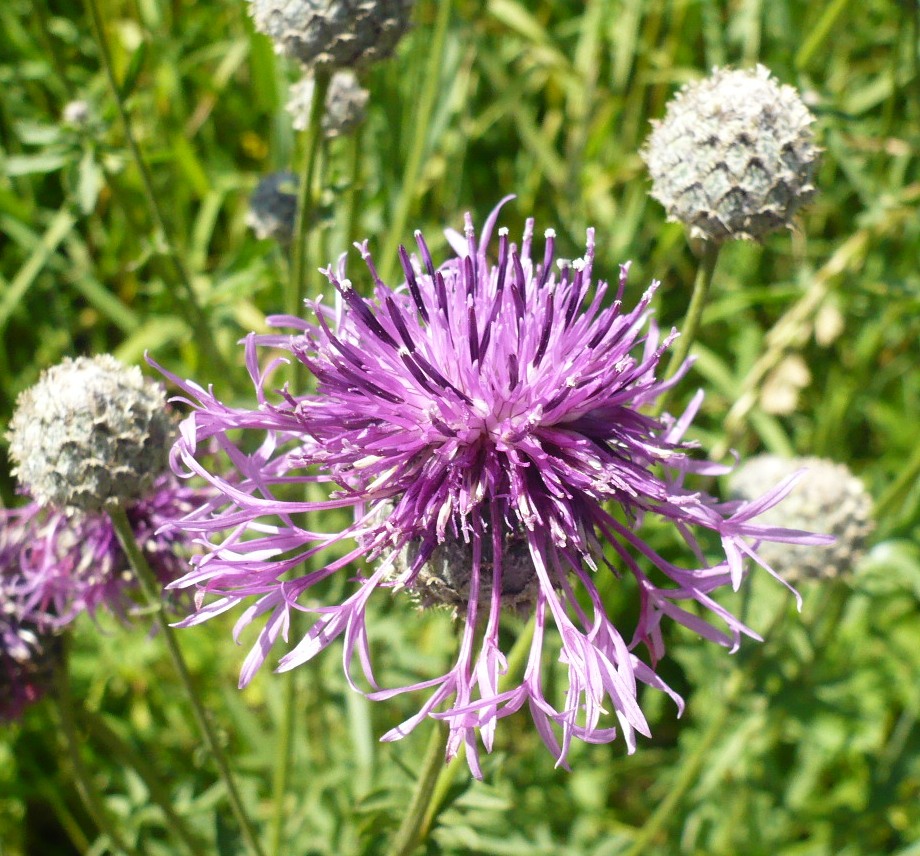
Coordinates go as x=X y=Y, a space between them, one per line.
x=734 y=156
x=333 y=33
x=273 y=207
x=828 y=499
x=346 y=104
x=90 y=431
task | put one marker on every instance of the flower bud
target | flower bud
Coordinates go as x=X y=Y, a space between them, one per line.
x=273 y=207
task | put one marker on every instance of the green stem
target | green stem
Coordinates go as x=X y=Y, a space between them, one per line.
x=421 y=122
x=297 y=289
x=151 y=592
x=409 y=835
x=354 y=194
x=122 y=750
x=86 y=788
x=691 y=324
x=186 y=295
x=516 y=659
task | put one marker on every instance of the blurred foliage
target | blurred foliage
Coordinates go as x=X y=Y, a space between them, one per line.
x=808 y=745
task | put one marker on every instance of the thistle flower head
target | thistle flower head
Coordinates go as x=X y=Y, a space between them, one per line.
x=485 y=422
x=734 y=156
x=91 y=430
x=273 y=207
x=333 y=33
x=346 y=104
x=827 y=497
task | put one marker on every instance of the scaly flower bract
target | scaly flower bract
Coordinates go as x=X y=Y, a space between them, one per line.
x=488 y=406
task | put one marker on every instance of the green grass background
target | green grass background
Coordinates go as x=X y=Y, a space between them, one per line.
x=806 y=745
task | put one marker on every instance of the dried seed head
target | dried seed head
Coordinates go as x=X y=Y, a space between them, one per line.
x=333 y=33
x=273 y=207
x=734 y=156
x=91 y=430
x=827 y=498
x=346 y=103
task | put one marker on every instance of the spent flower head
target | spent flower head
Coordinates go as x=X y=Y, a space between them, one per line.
x=346 y=104
x=734 y=156
x=827 y=497
x=487 y=423
x=90 y=431
x=333 y=33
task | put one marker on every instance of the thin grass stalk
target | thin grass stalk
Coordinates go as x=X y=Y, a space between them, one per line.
x=284 y=747
x=353 y=197
x=122 y=750
x=150 y=590
x=185 y=296
x=897 y=491
x=421 y=122
x=86 y=788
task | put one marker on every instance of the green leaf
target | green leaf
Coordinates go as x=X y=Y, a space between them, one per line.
x=89 y=181
x=44 y=162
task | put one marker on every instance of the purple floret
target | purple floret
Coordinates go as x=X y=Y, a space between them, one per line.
x=484 y=405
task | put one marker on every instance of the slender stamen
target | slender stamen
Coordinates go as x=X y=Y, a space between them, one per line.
x=473 y=332
x=357 y=304
x=426 y=254
x=550 y=235
x=547 y=328
x=412 y=282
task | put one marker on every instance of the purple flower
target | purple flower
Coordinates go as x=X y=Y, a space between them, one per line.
x=27 y=649
x=71 y=562
x=484 y=421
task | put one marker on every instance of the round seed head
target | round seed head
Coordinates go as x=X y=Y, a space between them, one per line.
x=734 y=156
x=90 y=431
x=827 y=498
x=346 y=104
x=333 y=33
x=273 y=207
